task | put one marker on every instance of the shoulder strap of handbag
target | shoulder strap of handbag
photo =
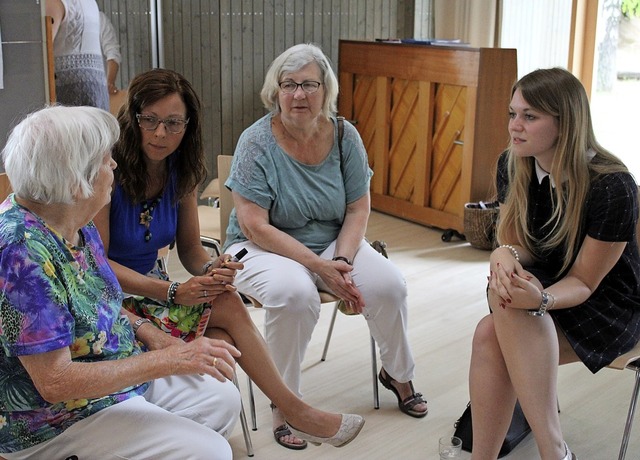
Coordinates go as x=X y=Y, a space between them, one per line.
x=340 y=121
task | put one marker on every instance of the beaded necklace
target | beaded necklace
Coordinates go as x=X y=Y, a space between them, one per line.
x=146 y=216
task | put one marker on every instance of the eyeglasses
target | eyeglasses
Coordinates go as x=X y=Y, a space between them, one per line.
x=151 y=123
x=290 y=86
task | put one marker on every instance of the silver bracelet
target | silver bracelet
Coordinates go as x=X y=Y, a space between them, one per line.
x=206 y=266
x=553 y=301
x=544 y=305
x=514 y=253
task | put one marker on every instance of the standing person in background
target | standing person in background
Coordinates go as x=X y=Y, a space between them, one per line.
x=111 y=51
x=302 y=204
x=79 y=66
x=564 y=285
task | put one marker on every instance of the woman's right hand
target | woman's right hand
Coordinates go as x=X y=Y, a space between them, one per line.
x=205 y=288
x=336 y=275
x=203 y=356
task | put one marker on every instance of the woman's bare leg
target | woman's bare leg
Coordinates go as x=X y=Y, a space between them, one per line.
x=529 y=347
x=492 y=395
x=230 y=314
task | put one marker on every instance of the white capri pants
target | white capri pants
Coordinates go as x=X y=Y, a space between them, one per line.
x=179 y=417
x=288 y=291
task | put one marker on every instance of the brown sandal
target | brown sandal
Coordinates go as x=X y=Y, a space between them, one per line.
x=409 y=402
x=282 y=431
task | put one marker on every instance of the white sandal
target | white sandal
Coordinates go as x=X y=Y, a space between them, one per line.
x=568 y=455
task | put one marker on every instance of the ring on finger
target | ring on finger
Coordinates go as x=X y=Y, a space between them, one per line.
x=215 y=362
x=205 y=294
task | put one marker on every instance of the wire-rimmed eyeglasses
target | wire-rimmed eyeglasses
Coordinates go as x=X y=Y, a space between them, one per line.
x=290 y=86
x=151 y=123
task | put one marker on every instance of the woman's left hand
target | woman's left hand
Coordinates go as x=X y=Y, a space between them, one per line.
x=521 y=291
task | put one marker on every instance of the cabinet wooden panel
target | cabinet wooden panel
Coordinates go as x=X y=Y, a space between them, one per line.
x=433 y=119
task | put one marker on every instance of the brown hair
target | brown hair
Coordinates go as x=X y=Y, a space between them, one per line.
x=148 y=88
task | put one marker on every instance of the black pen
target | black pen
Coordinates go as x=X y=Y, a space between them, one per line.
x=239 y=255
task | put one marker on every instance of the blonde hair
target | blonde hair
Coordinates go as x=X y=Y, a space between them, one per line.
x=558 y=93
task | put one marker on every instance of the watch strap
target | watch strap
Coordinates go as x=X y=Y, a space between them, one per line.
x=139 y=322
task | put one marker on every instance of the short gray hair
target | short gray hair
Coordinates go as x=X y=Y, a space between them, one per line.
x=292 y=60
x=55 y=153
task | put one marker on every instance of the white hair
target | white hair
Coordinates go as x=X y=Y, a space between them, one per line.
x=292 y=60
x=55 y=153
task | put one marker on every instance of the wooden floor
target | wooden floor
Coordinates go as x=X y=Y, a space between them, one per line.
x=446 y=284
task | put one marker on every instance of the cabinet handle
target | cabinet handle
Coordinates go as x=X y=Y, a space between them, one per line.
x=457 y=142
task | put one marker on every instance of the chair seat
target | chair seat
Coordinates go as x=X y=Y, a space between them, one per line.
x=622 y=361
x=325 y=297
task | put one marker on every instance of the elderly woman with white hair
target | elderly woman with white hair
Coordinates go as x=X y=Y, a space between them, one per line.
x=73 y=380
x=301 y=195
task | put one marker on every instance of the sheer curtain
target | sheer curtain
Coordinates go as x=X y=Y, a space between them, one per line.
x=539 y=30
x=472 y=21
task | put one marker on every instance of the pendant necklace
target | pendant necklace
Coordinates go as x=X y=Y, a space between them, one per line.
x=146 y=216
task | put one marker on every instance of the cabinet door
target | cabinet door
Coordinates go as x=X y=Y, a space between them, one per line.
x=413 y=132
x=446 y=155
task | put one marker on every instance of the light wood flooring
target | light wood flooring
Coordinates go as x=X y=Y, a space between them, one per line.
x=446 y=284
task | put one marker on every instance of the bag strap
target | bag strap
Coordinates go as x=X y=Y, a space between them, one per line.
x=340 y=121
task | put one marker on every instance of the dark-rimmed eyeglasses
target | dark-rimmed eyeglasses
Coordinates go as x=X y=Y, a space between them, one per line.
x=290 y=86
x=151 y=123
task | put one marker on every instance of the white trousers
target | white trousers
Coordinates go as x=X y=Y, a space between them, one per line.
x=180 y=417
x=288 y=292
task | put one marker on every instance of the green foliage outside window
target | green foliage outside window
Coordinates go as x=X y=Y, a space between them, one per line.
x=630 y=8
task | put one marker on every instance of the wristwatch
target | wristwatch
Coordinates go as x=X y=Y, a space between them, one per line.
x=139 y=322
x=542 y=309
x=342 y=258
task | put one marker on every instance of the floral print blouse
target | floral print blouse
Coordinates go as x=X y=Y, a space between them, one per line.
x=53 y=295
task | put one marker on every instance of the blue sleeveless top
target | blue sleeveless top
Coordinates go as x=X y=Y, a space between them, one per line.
x=127 y=244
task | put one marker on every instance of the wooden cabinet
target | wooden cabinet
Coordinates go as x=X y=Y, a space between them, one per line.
x=433 y=120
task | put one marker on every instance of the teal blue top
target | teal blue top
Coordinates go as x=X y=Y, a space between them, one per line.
x=307 y=202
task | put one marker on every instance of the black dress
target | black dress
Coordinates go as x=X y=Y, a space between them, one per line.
x=607 y=324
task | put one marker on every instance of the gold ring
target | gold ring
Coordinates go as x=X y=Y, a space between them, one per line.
x=215 y=362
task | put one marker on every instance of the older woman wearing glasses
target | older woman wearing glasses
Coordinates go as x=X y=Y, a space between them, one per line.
x=302 y=203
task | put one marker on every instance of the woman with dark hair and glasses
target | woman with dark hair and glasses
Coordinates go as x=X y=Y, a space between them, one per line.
x=160 y=164
x=301 y=196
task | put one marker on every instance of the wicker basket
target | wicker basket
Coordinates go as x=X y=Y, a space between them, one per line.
x=480 y=224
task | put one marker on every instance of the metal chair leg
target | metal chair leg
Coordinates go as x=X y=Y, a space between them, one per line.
x=326 y=343
x=252 y=405
x=374 y=370
x=632 y=409
x=243 y=422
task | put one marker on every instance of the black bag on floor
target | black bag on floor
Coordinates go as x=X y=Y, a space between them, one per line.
x=518 y=430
